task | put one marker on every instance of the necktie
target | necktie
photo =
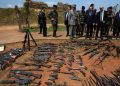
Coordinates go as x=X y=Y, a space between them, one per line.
x=119 y=15
x=101 y=16
x=67 y=16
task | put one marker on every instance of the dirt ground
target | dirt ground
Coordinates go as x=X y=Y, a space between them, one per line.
x=10 y=34
x=109 y=65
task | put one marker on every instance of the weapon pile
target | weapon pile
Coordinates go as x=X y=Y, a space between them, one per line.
x=101 y=49
x=7 y=58
x=54 y=60
x=21 y=78
x=44 y=52
x=96 y=80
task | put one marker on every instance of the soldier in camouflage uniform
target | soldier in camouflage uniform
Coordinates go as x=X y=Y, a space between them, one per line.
x=78 y=24
x=53 y=16
x=109 y=23
x=82 y=20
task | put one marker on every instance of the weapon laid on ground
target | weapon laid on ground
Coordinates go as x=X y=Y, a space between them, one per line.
x=25 y=73
x=92 y=81
x=33 y=64
x=93 y=54
x=20 y=80
x=105 y=54
x=87 y=48
x=48 y=83
x=105 y=81
x=59 y=65
x=80 y=60
x=102 y=57
x=55 y=75
x=77 y=69
x=96 y=77
x=55 y=70
x=52 y=79
x=90 y=51
x=27 y=70
x=7 y=58
x=75 y=78
x=70 y=73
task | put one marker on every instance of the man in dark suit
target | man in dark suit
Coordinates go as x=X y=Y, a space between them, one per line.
x=117 y=25
x=42 y=21
x=66 y=14
x=90 y=20
x=101 y=20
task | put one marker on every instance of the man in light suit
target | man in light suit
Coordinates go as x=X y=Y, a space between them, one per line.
x=66 y=19
x=72 y=21
x=101 y=20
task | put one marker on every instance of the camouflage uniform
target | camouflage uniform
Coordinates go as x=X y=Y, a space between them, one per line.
x=109 y=22
x=82 y=22
x=54 y=19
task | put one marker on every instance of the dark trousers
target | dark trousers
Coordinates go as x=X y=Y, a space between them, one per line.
x=45 y=31
x=107 y=30
x=55 y=26
x=114 y=31
x=117 y=31
x=41 y=27
x=67 y=29
x=78 y=29
x=89 y=30
x=82 y=29
x=101 y=27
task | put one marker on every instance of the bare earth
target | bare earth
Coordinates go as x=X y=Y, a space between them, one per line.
x=9 y=34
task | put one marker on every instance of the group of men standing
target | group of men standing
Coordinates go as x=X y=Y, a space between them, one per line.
x=53 y=16
x=93 y=23
x=81 y=23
